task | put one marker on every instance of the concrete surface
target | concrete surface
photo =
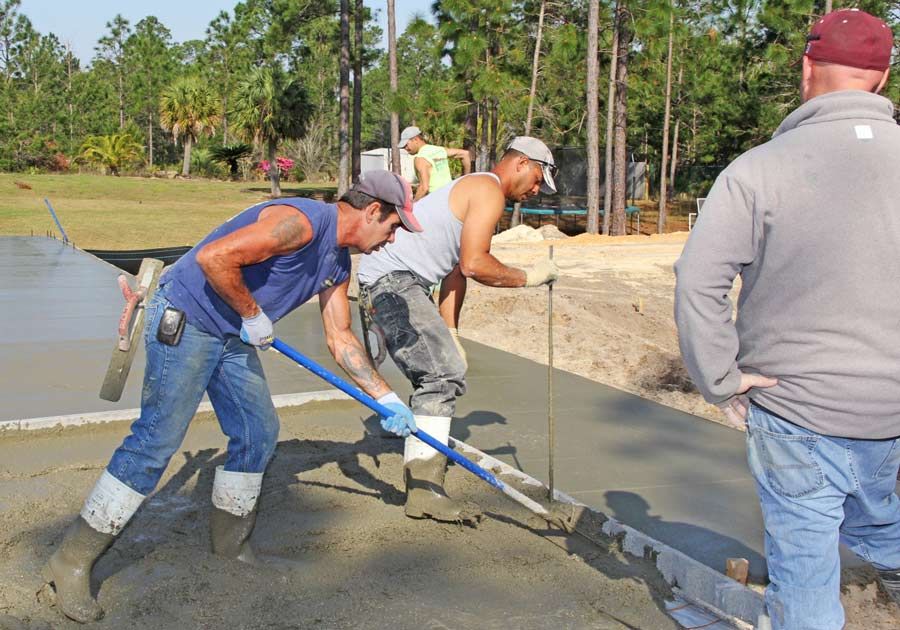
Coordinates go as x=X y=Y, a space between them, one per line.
x=675 y=477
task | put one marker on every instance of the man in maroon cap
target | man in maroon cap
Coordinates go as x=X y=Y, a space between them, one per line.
x=811 y=367
x=214 y=309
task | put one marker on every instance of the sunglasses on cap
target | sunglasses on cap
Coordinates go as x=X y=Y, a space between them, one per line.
x=551 y=167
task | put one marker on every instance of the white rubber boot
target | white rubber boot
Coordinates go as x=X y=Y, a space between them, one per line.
x=424 y=471
x=108 y=508
x=234 y=497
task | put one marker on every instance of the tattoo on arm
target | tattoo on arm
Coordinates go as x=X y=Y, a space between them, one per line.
x=355 y=362
x=288 y=232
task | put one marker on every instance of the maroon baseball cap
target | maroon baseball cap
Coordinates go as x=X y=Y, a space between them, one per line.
x=393 y=189
x=850 y=37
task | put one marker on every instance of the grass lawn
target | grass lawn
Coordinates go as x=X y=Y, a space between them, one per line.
x=104 y=212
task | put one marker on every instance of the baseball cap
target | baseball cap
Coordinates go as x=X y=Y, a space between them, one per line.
x=850 y=37
x=408 y=134
x=537 y=151
x=393 y=189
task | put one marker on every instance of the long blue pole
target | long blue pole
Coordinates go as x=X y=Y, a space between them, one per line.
x=383 y=411
x=55 y=218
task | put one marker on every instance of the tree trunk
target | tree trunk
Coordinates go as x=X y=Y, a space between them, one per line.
x=150 y=143
x=535 y=62
x=593 y=128
x=663 y=196
x=186 y=166
x=225 y=120
x=357 y=89
x=392 y=69
x=484 y=115
x=344 y=126
x=470 y=141
x=620 y=168
x=121 y=101
x=274 y=173
x=675 y=137
x=495 y=124
x=610 y=122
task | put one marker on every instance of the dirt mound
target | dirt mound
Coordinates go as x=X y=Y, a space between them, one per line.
x=551 y=232
x=519 y=234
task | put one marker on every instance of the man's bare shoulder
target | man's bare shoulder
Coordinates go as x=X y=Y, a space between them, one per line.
x=477 y=191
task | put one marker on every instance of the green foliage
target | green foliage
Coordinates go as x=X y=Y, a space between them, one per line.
x=231 y=154
x=114 y=152
x=188 y=109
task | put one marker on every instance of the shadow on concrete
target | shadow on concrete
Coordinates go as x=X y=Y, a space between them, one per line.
x=633 y=509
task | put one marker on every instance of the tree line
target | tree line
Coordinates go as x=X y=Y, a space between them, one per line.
x=685 y=85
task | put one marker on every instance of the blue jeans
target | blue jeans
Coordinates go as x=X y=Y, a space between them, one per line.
x=175 y=379
x=418 y=341
x=814 y=491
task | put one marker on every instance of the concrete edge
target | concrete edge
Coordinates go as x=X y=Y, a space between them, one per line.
x=118 y=415
x=696 y=582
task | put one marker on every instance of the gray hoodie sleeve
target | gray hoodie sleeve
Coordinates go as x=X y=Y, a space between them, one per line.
x=721 y=244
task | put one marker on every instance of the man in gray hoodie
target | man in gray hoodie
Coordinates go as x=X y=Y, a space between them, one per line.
x=811 y=222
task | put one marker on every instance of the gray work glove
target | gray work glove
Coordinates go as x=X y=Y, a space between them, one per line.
x=544 y=272
x=454 y=333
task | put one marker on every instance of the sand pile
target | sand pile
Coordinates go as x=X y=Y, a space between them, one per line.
x=551 y=232
x=519 y=234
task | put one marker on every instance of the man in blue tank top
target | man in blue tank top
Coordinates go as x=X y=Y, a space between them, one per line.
x=213 y=309
x=421 y=337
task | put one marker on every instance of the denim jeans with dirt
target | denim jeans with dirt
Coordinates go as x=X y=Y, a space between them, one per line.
x=175 y=379
x=815 y=491
x=418 y=341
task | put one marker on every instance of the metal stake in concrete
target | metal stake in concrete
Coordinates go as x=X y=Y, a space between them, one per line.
x=550 y=420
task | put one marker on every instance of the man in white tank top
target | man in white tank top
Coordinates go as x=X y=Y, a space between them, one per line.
x=458 y=221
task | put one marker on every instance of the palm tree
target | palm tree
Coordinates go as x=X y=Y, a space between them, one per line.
x=269 y=108
x=230 y=154
x=112 y=152
x=189 y=109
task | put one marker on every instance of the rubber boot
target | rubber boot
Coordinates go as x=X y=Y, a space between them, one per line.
x=890 y=582
x=230 y=535
x=424 y=472
x=69 y=571
x=234 y=498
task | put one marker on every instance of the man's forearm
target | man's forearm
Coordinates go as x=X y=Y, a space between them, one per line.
x=228 y=283
x=489 y=271
x=453 y=293
x=352 y=357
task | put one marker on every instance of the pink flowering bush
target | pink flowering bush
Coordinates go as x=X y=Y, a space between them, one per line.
x=285 y=165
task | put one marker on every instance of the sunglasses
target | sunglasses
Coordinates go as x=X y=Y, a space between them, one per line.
x=553 y=169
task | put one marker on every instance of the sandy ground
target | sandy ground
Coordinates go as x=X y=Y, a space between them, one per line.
x=613 y=323
x=612 y=312
x=342 y=553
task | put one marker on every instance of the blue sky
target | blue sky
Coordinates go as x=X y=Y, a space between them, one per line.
x=82 y=23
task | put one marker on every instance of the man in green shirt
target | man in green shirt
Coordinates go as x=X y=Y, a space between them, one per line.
x=431 y=161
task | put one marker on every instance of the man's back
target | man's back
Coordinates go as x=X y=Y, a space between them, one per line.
x=812 y=218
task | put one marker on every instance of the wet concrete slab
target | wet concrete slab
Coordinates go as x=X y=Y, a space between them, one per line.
x=60 y=308
x=678 y=478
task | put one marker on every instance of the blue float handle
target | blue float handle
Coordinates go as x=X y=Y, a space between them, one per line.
x=384 y=412
x=55 y=218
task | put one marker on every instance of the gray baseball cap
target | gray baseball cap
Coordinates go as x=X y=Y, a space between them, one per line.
x=408 y=134
x=393 y=189
x=537 y=151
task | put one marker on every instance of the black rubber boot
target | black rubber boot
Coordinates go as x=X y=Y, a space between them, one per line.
x=426 y=498
x=230 y=535
x=890 y=582
x=69 y=571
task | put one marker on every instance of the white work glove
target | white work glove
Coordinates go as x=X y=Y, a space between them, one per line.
x=544 y=272
x=454 y=333
x=257 y=331
x=736 y=407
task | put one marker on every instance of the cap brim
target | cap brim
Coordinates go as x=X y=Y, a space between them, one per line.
x=409 y=221
x=402 y=144
x=548 y=187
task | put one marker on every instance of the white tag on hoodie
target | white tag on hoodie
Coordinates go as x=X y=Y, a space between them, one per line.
x=863 y=132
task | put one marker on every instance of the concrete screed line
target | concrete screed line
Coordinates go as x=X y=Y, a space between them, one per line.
x=692 y=581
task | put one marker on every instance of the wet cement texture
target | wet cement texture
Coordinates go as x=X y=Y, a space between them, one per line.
x=341 y=552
